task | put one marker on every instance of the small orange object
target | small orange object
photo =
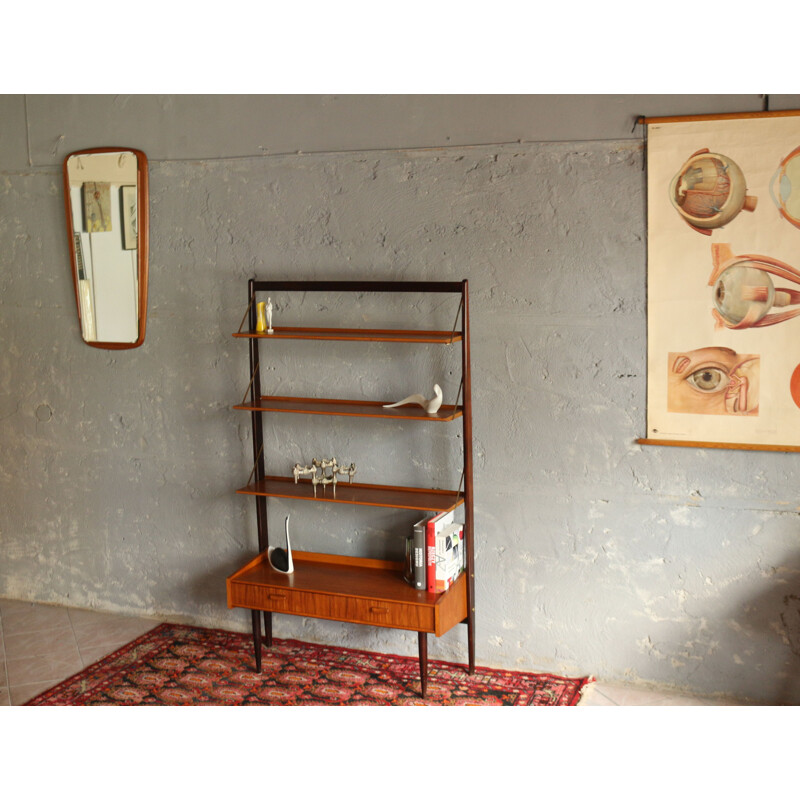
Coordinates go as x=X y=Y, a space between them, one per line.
x=794 y=385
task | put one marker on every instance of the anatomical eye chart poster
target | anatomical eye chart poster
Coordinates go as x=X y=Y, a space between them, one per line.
x=723 y=281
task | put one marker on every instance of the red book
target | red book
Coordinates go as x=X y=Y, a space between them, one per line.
x=435 y=524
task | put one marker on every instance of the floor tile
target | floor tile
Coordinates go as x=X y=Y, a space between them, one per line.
x=8 y=607
x=632 y=696
x=34 y=618
x=39 y=644
x=110 y=630
x=84 y=616
x=26 y=644
x=35 y=669
x=90 y=655
x=593 y=696
x=3 y=673
x=714 y=701
x=21 y=694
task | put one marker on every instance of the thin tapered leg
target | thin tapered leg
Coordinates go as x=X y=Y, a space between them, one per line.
x=423 y=662
x=268 y=628
x=469 y=525
x=471 y=644
x=257 y=637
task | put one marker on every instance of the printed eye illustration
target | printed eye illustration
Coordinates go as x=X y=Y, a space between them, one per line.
x=709 y=191
x=710 y=379
x=746 y=295
x=784 y=188
x=713 y=380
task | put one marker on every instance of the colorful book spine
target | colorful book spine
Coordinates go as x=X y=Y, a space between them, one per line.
x=418 y=551
x=408 y=564
x=434 y=525
x=450 y=558
x=446 y=579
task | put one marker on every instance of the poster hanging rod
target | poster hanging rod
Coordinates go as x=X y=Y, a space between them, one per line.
x=791 y=112
x=775 y=448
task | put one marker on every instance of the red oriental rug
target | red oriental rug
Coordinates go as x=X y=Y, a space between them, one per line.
x=187 y=666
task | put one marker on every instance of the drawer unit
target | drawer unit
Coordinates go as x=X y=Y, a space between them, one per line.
x=347 y=589
x=387 y=615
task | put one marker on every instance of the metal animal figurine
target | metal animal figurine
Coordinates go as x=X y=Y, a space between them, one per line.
x=306 y=470
x=349 y=471
x=318 y=473
x=298 y=471
x=325 y=480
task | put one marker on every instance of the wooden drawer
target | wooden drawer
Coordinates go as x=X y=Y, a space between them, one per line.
x=272 y=599
x=283 y=601
x=347 y=609
x=309 y=604
x=385 y=614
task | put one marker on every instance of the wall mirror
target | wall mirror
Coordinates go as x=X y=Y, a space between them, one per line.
x=106 y=195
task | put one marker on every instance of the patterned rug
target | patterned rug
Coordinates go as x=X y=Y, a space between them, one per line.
x=187 y=666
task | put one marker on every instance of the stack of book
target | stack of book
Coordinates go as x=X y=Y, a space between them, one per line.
x=435 y=554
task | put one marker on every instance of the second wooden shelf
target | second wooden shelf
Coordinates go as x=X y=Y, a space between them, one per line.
x=348 y=408
x=363 y=494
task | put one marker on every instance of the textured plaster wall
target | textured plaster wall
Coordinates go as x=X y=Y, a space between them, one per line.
x=593 y=554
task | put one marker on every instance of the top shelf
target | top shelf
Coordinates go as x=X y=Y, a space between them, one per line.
x=356 y=335
x=454 y=287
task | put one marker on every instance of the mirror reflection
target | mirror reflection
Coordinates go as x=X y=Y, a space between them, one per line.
x=106 y=195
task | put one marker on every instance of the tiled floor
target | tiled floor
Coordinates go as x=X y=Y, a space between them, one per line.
x=42 y=645
x=609 y=694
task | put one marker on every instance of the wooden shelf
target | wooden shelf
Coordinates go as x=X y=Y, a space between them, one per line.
x=362 y=494
x=349 y=408
x=347 y=589
x=356 y=335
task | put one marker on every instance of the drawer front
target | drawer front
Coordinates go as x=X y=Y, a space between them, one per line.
x=346 y=609
x=387 y=615
x=263 y=598
x=309 y=604
x=282 y=601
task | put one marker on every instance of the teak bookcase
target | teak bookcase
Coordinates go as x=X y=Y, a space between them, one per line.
x=347 y=588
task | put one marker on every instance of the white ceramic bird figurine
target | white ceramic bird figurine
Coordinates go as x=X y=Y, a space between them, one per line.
x=279 y=559
x=431 y=406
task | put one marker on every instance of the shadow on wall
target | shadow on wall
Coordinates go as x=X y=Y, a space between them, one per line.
x=772 y=620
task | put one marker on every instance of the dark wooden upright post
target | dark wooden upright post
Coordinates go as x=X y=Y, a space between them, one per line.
x=469 y=523
x=258 y=455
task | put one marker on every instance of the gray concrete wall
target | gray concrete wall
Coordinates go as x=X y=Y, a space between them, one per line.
x=594 y=555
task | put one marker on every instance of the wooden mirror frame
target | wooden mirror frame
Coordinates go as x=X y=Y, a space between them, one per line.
x=142 y=200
